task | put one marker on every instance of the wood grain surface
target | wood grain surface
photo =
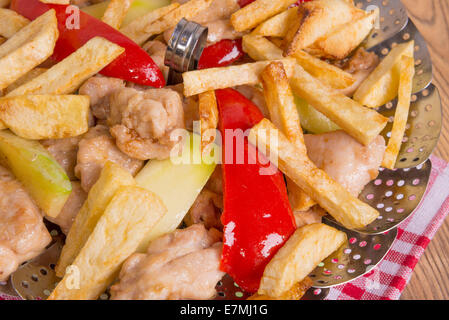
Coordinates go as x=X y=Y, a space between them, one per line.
x=430 y=279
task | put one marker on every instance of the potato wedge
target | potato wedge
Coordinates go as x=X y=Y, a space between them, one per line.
x=208 y=109
x=256 y=12
x=278 y=25
x=283 y=113
x=340 y=43
x=330 y=195
x=260 y=48
x=142 y=29
x=111 y=179
x=115 y=12
x=296 y=292
x=382 y=84
x=407 y=72
x=199 y=81
x=11 y=22
x=305 y=249
x=28 y=48
x=40 y=117
x=315 y=20
x=363 y=124
x=132 y=212
x=66 y=76
x=136 y=30
x=25 y=78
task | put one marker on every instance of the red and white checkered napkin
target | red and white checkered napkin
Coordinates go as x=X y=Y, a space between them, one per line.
x=390 y=277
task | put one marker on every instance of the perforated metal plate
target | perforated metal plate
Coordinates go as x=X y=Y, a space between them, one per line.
x=355 y=258
x=392 y=19
x=423 y=62
x=423 y=127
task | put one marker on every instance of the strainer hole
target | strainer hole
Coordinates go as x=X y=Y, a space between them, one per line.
x=334 y=260
x=400 y=183
x=43 y=272
x=221 y=294
x=380 y=206
x=35 y=278
x=415 y=182
x=52 y=266
x=351 y=270
x=388 y=194
x=412 y=197
x=377 y=246
x=341 y=266
x=367 y=261
x=370 y=196
x=362 y=244
x=239 y=294
x=390 y=182
x=347 y=251
x=352 y=240
x=388 y=209
x=400 y=210
x=378 y=182
x=25 y=284
x=316 y=291
x=356 y=257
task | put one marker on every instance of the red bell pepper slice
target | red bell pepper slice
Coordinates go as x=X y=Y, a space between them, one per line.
x=221 y=54
x=133 y=65
x=257 y=215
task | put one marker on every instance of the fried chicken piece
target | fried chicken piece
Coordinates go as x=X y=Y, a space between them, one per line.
x=23 y=234
x=181 y=265
x=99 y=88
x=255 y=96
x=313 y=215
x=156 y=49
x=64 y=151
x=95 y=149
x=71 y=208
x=344 y=159
x=142 y=121
x=206 y=209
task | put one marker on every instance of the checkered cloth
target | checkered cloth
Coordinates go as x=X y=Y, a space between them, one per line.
x=390 y=277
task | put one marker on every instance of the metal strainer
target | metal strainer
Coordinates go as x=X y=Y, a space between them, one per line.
x=395 y=193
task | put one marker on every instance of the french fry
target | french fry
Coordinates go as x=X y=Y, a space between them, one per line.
x=401 y=113
x=283 y=113
x=302 y=252
x=115 y=12
x=382 y=84
x=132 y=213
x=296 y=292
x=11 y=22
x=260 y=48
x=363 y=124
x=28 y=48
x=142 y=29
x=340 y=43
x=256 y=12
x=278 y=25
x=315 y=20
x=25 y=78
x=330 y=195
x=4 y=3
x=40 y=117
x=208 y=110
x=199 y=81
x=111 y=179
x=66 y=76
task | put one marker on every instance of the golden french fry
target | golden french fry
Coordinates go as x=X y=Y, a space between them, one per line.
x=330 y=195
x=199 y=81
x=40 y=117
x=284 y=114
x=260 y=48
x=315 y=20
x=296 y=292
x=66 y=76
x=278 y=25
x=28 y=48
x=407 y=72
x=11 y=22
x=256 y=12
x=341 y=42
x=115 y=12
x=363 y=124
x=302 y=252
x=132 y=212
x=25 y=78
x=382 y=84
x=208 y=110
x=111 y=179
x=168 y=17
x=323 y=71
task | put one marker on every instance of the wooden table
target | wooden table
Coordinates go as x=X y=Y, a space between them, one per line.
x=430 y=279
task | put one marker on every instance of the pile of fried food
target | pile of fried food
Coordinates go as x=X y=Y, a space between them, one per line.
x=91 y=153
